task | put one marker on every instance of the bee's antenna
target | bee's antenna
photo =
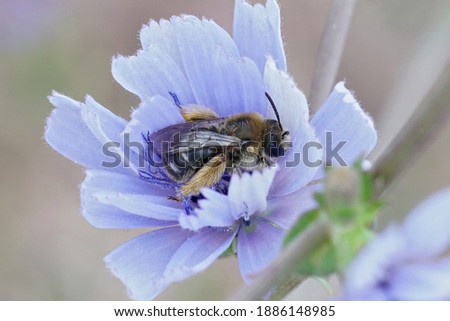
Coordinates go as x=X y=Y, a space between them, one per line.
x=274 y=109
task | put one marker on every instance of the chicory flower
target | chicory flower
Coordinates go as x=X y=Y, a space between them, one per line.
x=198 y=63
x=409 y=261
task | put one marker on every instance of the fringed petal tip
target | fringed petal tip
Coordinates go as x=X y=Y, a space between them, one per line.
x=349 y=98
x=290 y=101
x=78 y=130
x=257 y=32
x=346 y=132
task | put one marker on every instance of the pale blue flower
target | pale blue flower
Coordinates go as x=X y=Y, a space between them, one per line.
x=201 y=64
x=408 y=261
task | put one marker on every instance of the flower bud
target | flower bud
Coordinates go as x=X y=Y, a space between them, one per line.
x=342 y=187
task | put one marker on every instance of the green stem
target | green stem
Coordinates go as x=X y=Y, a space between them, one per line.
x=285 y=288
x=414 y=137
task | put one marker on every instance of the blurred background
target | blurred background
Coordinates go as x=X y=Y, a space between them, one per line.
x=395 y=53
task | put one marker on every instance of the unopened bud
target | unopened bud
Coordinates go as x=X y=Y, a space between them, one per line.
x=342 y=186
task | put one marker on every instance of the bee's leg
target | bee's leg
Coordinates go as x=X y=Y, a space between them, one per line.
x=208 y=175
x=195 y=112
x=185 y=200
x=235 y=169
x=175 y=99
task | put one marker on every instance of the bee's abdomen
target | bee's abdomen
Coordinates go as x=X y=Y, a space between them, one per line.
x=183 y=165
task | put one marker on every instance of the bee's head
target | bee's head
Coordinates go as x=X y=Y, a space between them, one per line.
x=276 y=142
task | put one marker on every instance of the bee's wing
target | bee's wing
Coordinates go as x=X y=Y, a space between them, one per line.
x=186 y=148
x=203 y=140
x=167 y=135
x=187 y=136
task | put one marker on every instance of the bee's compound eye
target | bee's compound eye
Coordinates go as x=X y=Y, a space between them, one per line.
x=273 y=147
x=276 y=151
x=280 y=151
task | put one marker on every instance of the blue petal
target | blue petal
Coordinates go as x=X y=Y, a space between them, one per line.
x=213 y=211
x=156 y=207
x=102 y=210
x=152 y=72
x=151 y=116
x=256 y=31
x=342 y=116
x=106 y=131
x=161 y=34
x=238 y=85
x=104 y=125
x=300 y=164
x=421 y=281
x=373 y=294
x=69 y=134
x=140 y=263
x=373 y=265
x=197 y=41
x=247 y=193
x=219 y=77
x=427 y=228
x=289 y=100
x=257 y=246
x=198 y=252
x=403 y=262
x=285 y=210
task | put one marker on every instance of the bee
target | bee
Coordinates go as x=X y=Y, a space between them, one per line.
x=206 y=148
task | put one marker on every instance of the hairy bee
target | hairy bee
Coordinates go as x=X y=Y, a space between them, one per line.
x=200 y=152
